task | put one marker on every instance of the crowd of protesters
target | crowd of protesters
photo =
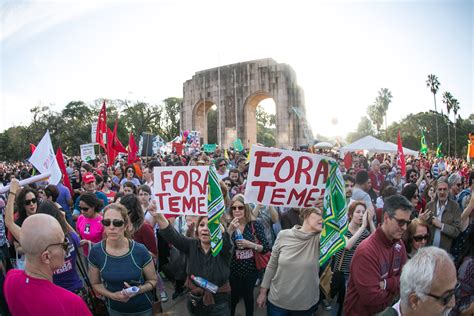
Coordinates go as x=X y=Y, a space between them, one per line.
x=108 y=236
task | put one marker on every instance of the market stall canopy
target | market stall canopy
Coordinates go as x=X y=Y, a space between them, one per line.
x=323 y=145
x=406 y=151
x=370 y=144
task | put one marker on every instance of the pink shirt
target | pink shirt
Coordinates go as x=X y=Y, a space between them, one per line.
x=30 y=296
x=90 y=229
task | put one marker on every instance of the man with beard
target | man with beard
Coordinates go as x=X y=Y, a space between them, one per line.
x=349 y=183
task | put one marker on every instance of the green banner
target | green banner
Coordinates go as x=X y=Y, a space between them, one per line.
x=215 y=209
x=209 y=148
x=335 y=223
x=238 y=145
x=424 y=147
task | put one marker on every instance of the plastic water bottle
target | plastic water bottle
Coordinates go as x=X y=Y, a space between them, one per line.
x=205 y=284
x=130 y=291
x=238 y=235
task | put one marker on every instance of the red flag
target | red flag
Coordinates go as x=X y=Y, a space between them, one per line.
x=32 y=147
x=62 y=166
x=348 y=160
x=401 y=156
x=116 y=144
x=101 y=127
x=111 y=153
x=132 y=150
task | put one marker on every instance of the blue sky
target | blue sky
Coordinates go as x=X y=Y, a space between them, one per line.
x=52 y=52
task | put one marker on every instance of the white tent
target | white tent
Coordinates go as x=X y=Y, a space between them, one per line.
x=323 y=145
x=370 y=144
x=406 y=151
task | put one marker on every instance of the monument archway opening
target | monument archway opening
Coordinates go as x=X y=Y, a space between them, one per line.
x=266 y=122
x=201 y=116
x=254 y=104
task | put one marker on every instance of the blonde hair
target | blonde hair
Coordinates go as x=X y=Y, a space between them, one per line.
x=123 y=211
x=247 y=211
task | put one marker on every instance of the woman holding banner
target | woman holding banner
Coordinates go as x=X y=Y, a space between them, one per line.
x=201 y=263
x=291 y=279
x=243 y=269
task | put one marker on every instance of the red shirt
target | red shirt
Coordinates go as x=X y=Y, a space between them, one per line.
x=377 y=179
x=376 y=259
x=30 y=296
x=145 y=235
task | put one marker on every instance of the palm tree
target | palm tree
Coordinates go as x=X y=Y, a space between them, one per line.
x=434 y=84
x=455 y=107
x=447 y=100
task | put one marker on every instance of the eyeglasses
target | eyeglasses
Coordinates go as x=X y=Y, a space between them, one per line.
x=32 y=201
x=65 y=245
x=222 y=165
x=240 y=208
x=401 y=222
x=446 y=298
x=84 y=209
x=458 y=184
x=143 y=194
x=421 y=237
x=129 y=171
x=115 y=222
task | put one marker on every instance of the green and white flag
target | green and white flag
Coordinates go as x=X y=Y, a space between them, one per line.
x=424 y=147
x=335 y=222
x=215 y=209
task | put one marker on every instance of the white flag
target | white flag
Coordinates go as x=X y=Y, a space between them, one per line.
x=44 y=159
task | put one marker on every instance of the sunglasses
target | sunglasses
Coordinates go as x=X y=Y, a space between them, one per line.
x=446 y=298
x=32 y=201
x=84 y=209
x=401 y=222
x=64 y=244
x=222 y=165
x=115 y=222
x=233 y=208
x=421 y=237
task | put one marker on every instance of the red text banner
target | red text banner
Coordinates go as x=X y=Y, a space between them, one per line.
x=181 y=190
x=285 y=178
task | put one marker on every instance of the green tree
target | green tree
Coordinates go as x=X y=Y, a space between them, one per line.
x=364 y=128
x=455 y=107
x=140 y=117
x=378 y=110
x=433 y=83
x=266 y=128
x=170 y=124
x=212 y=125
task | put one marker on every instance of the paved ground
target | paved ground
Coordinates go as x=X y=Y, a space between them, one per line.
x=178 y=307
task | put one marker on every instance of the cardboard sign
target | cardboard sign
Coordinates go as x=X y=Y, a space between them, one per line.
x=181 y=190
x=93 y=131
x=87 y=152
x=285 y=178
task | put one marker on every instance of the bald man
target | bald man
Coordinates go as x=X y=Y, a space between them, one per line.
x=32 y=292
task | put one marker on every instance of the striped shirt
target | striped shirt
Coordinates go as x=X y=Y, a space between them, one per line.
x=348 y=254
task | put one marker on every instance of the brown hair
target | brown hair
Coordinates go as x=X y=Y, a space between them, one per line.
x=307 y=211
x=247 y=212
x=352 y=207
x=124 y=212
x=410 y=232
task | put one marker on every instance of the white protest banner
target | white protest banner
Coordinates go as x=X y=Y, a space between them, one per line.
x=93 y=131
x=87 y=152
x=285 y=178
x=44 y=159
x=181 y=190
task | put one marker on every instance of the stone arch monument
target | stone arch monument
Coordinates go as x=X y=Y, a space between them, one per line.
x=236 y=90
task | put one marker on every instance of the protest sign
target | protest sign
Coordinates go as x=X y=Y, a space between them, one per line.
x=87 y=152
x=181 y=190
x=285 y=178
x=209 y=148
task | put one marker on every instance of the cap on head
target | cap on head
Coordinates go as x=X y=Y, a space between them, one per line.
x=88 y=177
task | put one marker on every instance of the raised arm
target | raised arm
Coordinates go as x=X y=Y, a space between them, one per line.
x=9 y=218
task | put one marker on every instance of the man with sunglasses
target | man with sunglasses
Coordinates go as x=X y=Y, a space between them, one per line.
x=443 y=216
x=428 y=285
x=32 y=292
x=377 y=263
